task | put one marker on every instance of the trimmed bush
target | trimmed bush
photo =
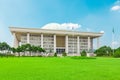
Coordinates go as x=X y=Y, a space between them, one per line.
x=83 y=53
x=55 y=54
x=64 y=54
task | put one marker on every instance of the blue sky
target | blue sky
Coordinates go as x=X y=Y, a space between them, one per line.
x=92 y=15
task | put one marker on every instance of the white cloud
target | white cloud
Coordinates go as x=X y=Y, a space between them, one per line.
x=64 y=26
x=115 y=8
x=102 y=31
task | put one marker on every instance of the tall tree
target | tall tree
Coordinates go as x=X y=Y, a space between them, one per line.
x=28 y=48
x=13 y=50
x=23 y=47
x=19 y=50
x=4 y=47
x=104 y=51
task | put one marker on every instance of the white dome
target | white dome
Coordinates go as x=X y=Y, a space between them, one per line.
x=64 y=26
x=51 y=26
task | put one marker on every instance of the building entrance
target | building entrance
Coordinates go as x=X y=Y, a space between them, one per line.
x=60 y=50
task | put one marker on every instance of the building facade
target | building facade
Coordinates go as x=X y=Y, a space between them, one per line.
x=71 y=42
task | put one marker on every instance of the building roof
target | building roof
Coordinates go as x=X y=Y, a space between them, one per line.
x=57 y=32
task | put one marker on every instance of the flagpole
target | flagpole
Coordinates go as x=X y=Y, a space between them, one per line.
x=113 y=40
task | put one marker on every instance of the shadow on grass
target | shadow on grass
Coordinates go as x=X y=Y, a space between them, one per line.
x=82 y=57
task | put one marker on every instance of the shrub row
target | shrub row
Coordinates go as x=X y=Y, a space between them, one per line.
x=63 y=54
x=6 y=55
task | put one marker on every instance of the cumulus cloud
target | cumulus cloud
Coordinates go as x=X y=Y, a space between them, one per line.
x=115 y=8
x=64 y=26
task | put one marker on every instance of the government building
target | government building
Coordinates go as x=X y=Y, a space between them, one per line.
x=59 y=41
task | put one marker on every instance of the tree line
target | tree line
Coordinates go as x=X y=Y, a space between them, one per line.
x=108 y=51
x=5 y=49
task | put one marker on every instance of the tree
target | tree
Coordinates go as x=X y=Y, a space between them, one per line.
x=23 y=47
x=34 y=49
x=4 y=47
x=40 y=49
x=18 y=50
x=104 y=51
x=13 y=50
x=28 y=48
x=43 y=50
x=117 y=53
x=83 y=53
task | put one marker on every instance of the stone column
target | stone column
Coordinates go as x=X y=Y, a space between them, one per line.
x=98 y=43
x=15 y=43
x=89 y=42
x=54 y=43
x=28 y=38
x=78 y=46
x=41 y=40
x=66 y=43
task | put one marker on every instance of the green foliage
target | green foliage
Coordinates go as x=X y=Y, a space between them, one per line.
x=43 y=50
x=18 y=50
x=64 y=54
x=13 y=50
x=83 y=53
x=117 y=53
x=27 y=48
x=4 y=47
x=104 y=51
x=6 y=55
x=40 y=49
x=55 y=54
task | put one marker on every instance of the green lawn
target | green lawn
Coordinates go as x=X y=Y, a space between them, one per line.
x=37 y=68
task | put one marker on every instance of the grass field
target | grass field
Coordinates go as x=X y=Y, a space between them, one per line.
x=30 y=68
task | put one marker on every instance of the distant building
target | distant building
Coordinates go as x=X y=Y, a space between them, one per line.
x=71 y=42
